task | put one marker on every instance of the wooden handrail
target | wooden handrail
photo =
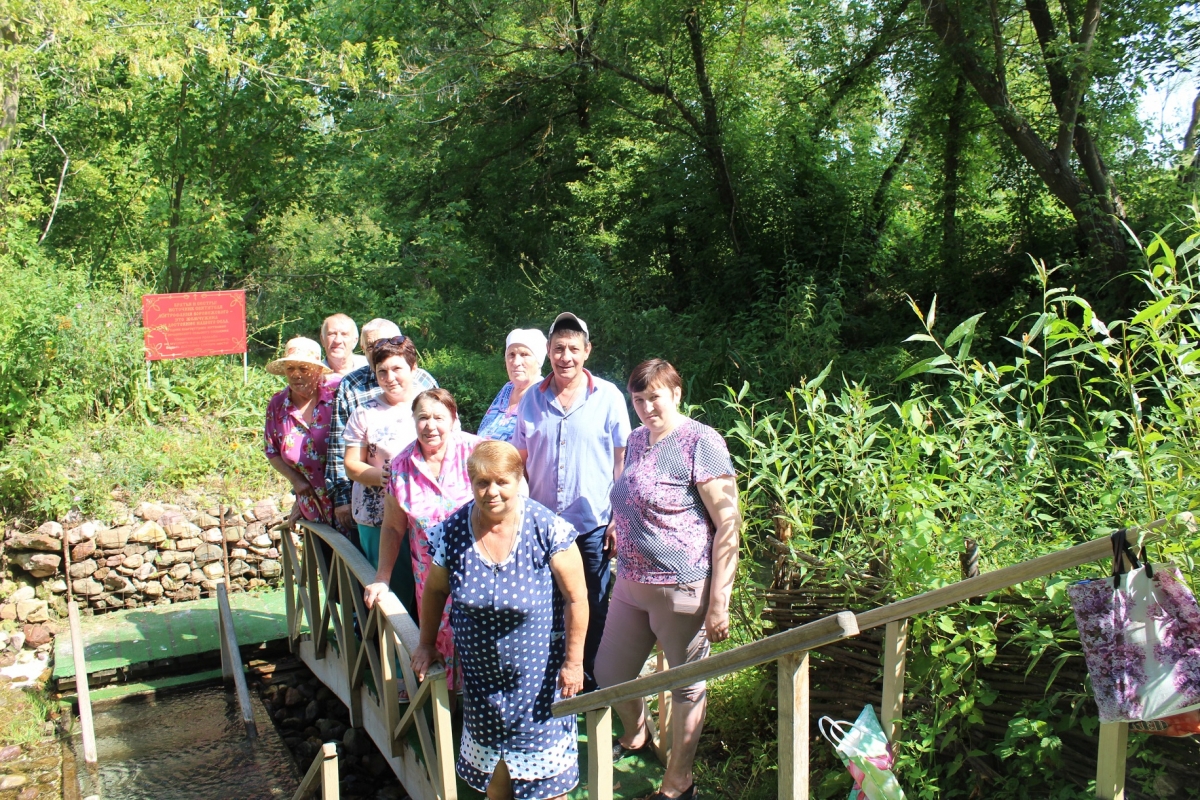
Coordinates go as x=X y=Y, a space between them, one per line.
x=323 y=774
x=806 y=637
x=363 y=655
x=989 y=582
x=389 y=605
x=231 y=660
x=791 y=648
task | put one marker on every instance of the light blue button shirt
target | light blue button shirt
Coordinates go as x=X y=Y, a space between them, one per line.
x=570 y=453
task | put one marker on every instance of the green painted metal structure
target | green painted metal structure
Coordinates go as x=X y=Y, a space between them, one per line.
x=141 y=635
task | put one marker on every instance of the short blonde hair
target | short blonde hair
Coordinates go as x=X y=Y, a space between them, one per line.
x=494 y=459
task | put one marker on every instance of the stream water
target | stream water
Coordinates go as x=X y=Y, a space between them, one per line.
x=187 y=745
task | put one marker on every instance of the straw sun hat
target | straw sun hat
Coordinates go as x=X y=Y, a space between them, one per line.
x=299 y=351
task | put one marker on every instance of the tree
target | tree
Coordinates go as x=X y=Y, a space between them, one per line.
x=1069 y=161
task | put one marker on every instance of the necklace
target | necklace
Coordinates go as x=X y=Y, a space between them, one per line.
x=483 y=543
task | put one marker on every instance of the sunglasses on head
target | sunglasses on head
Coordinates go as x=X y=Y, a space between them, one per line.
x=396 y=340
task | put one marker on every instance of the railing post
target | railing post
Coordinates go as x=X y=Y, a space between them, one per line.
x=389 y=697
x=350 y=646
x=329 y=772
x=664 y=713
x=600 y=755
x=443 y=735
x=289 y=585
x=895 y=647
x=312 y=572
x=793 y=726
x=1110 y=761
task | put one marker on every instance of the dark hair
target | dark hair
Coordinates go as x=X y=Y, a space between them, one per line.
x=653 y=373
x=438 y=395
x=569 y=328
x=402 y=346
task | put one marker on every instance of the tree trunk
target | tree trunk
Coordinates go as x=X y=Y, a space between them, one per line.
x=174 y=273
x=950 y=176
x=1091 y=207
x=10 y=98
x=175 y=277
x=1191 y=154
x=877 y=220
x=710 y=134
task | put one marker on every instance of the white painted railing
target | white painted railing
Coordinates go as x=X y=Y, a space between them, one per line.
x=324 y=579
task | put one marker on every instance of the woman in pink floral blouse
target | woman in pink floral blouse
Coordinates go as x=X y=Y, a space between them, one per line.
x=297 y=427
x=427 y=482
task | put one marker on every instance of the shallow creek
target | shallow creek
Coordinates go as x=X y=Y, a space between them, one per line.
x=185 y=745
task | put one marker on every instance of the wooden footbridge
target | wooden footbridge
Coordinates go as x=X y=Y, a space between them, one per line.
x=325 y=576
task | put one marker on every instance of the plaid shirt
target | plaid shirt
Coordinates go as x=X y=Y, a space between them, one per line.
x=355 y=389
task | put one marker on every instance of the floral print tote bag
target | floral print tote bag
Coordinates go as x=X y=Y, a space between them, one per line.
x=1140 y=632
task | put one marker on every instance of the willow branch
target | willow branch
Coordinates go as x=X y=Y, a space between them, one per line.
x=62 y=178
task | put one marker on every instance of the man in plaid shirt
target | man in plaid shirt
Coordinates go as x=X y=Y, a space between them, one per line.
x=356 y=389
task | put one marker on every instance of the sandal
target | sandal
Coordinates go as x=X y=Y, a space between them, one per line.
x=688 y=794
x=620 y=751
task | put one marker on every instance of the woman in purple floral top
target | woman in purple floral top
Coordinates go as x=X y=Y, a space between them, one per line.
x=675 y=524
x=297 y=427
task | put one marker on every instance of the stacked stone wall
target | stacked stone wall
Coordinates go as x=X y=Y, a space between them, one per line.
x=153 y=554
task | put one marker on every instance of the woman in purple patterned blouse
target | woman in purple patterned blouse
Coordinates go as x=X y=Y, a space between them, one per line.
x=297 y=427
x=675 y=522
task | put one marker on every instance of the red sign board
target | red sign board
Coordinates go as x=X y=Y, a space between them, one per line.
x=194 y=324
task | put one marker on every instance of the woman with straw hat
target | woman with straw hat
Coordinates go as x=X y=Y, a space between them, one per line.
x=297 y=427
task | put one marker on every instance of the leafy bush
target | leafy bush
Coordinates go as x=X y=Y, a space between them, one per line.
x=472 y=378
x=77 y=417
x=1091 y=425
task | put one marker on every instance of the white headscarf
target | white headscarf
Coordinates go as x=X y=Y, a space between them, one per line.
x=532 y=338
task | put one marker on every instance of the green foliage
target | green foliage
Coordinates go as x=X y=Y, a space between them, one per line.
x=22 y=715
x=1090 y=425
x=473 y=379
x=80 y=420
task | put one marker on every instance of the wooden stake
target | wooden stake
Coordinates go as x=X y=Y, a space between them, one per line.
x=895 y=647
x=793 y=726
x=1110 y=761
x=81 y=684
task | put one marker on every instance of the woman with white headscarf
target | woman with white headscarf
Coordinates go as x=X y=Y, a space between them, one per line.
x=524 y=354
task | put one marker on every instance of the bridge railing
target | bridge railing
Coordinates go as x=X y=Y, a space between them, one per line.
x=368 y=667
x=322 y=774
x=791 y=652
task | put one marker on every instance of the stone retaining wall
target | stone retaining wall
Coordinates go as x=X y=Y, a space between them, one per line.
x=150 y=555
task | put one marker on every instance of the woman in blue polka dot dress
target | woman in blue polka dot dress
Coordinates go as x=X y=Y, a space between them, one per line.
x=519 y=612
